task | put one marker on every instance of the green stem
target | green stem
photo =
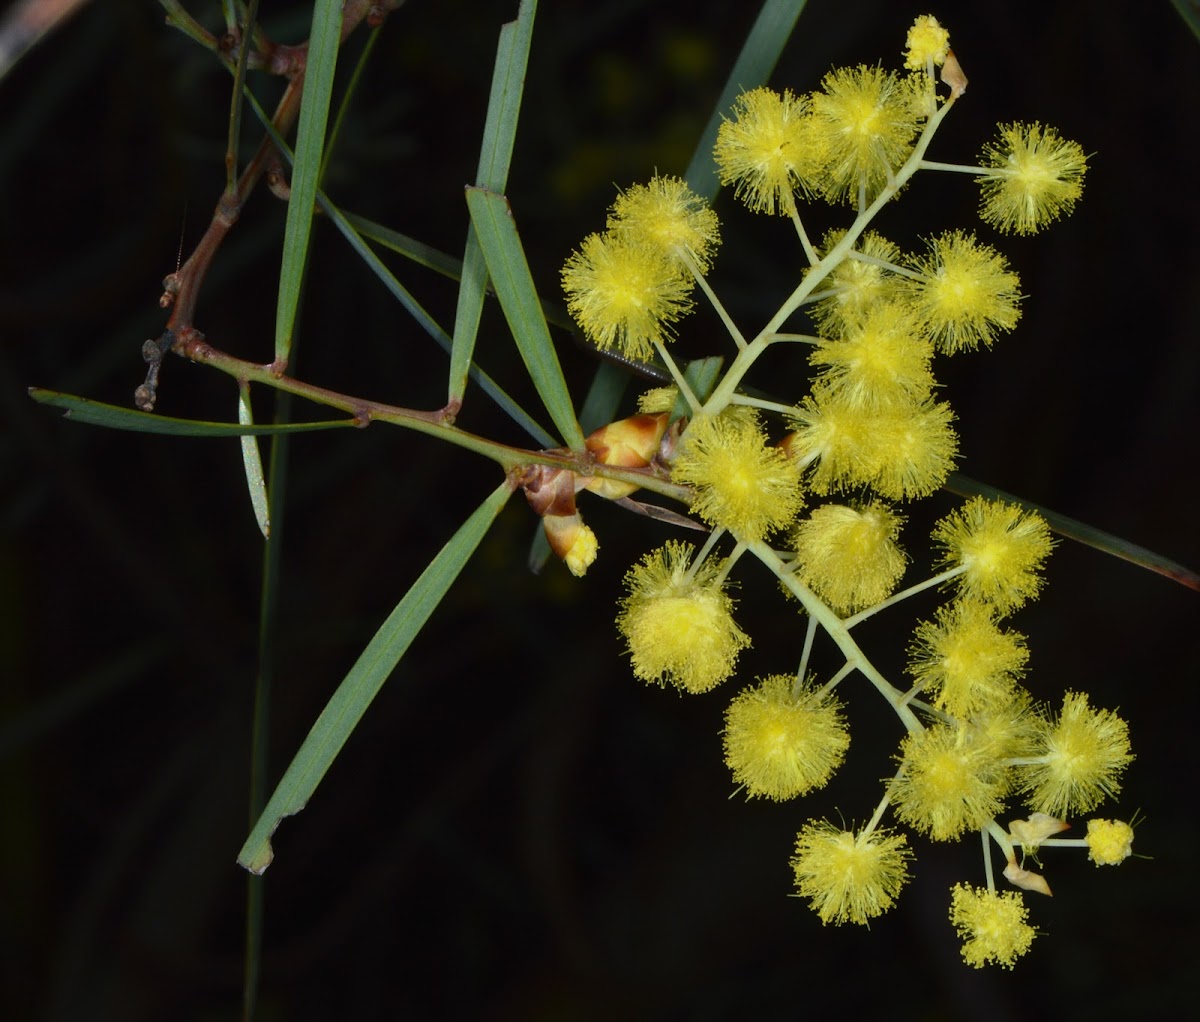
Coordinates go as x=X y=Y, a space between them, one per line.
x=929 y=583
x=957 y=168
x=836 y=629
x=431 y=423
x=749 y=355
x=711 y=295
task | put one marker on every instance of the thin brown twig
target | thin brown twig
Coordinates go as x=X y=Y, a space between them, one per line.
x=181 y=289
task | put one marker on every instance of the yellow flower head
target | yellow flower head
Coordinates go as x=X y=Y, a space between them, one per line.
x=901 y=450
x=880 y=360
x=965 y=659
x=868 y=120
x=779 y=744
x=856 y=284
x=966 y=294
x=848 y=555
x=1001 y=546
x=678 y=623
x=927 y=44
x=667 y=214
x=952 y=780
x=740 y=482
x=849 y=877
x=1032 y=176
x=769 y=149
x=992 y=924
x=624 y=294
x=1110 y=842
x=1082 y=753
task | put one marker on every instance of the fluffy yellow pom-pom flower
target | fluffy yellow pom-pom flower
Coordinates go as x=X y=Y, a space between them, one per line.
x=849 y=877
x=780 y=743
x=868 y=120
x=624 y=294
x=1002 y=548
x=666 y=213
x=1031 y=177
x=965 y=659
x=878 y=361
x=678 y=623
x=965 y=294
x=769 y=149
x=1081 y=754
x=848 y=555
x=1110 y=842
x=992 y=924
x=952 y=780
x=901 y=450
x=741 y=483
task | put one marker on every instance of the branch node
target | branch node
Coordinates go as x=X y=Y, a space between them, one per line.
x=153 y=352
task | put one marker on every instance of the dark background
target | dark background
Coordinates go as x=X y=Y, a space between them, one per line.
x=519 y=829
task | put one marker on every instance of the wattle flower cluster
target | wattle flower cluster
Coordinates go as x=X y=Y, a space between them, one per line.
x=807 y=486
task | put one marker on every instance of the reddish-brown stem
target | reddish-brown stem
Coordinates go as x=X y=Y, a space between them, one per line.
x=183 y=286
x=181 y=289
x=194 y=347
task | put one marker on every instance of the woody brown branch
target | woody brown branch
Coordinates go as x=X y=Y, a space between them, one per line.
x=181 y=289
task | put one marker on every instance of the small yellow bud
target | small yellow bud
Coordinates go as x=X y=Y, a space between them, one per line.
x=927 y=43
x=1110 y=842
x=571 y=540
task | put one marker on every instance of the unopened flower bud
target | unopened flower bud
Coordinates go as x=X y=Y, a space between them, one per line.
x=571 y=540
x=629 y=443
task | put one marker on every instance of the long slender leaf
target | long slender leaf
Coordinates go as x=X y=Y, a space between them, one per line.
x=252 y=463
x=486 y=383
x=438 y=261
x=407 y=246
x=427 y=322
x=501 y=244
x=97 y=413
x=495 y=158
x=310 y=143
x=1189 y=11
x=347 y=705
x=760 y=53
